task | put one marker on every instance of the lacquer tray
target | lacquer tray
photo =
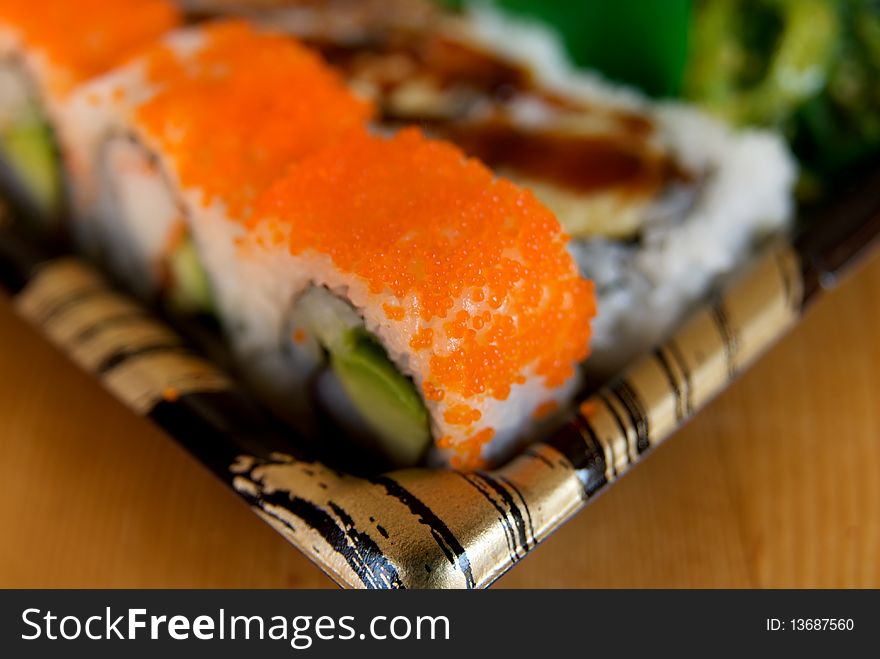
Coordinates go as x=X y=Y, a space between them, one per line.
x=428 y=528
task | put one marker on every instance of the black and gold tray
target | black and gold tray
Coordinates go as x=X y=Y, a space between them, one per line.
x=428 y=528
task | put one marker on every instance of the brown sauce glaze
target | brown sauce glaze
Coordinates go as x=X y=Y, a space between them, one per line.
x=579 y=163
x=622 y=157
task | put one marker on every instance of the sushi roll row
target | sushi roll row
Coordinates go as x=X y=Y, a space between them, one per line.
x=377 y=277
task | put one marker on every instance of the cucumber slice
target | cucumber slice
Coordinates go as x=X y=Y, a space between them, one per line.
x=189 y=290
x=29 y=148
x=386 y=400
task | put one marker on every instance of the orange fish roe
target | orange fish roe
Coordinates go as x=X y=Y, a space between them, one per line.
x=394 y=313
x=299 y=336
x=83 y=38
x=433 y=393
x=414 y=218
x=588 y=408
x=467 y=452
x=545 y=409
x=236 y=113
x=462 y=415
x=422 y=339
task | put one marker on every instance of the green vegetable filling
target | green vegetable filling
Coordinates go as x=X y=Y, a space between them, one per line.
x=29 y=149
x=386 y=400
x=189 y=289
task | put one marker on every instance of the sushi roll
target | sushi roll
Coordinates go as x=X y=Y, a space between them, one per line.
x=435 y=302
x=47 y=48
x=169 y=152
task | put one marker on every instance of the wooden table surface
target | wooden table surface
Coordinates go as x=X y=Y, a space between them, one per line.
x=776 y=484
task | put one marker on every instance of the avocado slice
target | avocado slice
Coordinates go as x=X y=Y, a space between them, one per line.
x=189 y=290
x=387 y=400
x=29 y=148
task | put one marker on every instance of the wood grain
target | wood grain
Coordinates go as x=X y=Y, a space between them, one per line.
x=776 y=484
